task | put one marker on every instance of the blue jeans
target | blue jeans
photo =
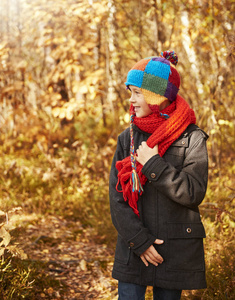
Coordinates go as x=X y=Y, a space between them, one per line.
x=131 y=291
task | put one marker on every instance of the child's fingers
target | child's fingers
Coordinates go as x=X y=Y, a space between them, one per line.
x=144 y=260
x=158 y=242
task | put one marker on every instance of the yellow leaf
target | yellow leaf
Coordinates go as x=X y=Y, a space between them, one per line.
x=5 y=235
x=59 y=40
x=18 y=85
x=62 y=114
x=3 y=45
x=56 y=96
x=56 y=111
x=83 y=89
x=225 y=122
x=79 y=11
x=22 y=65
x=83 y=265
x=8 y=89
x=98 y=73
x=84 y=50
x=50 y=290
x=112 y=141
x=69 y=115
x=213 y=131
x=100 y=8
x=93 y=95
x=80 y=88
x=90 y=45
x=126 y=117
x=230 y=93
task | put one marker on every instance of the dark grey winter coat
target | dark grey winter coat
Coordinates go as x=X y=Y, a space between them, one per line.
x=168 y=210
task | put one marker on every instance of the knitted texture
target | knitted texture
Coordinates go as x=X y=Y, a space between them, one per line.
x=136 y=186
x=171 y=56
x=163 y=133
x=156 y=77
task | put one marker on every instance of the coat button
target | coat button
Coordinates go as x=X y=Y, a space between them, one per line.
x=183 y=142
x=153 y=175
x=132 y=244
x=189 y=230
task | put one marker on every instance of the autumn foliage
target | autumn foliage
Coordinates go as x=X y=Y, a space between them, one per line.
x=63 y=103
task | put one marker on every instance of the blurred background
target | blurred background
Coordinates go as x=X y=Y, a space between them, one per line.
x=63 y=103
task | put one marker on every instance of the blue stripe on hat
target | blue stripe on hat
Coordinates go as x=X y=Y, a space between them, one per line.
x=135 y=77
x=158 y=68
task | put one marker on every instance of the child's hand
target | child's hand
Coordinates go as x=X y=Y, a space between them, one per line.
x=151 y=255
x=144 y=153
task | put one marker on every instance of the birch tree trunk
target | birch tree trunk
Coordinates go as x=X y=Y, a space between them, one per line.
x=156 y=26
x=112 y=73
x=22 y=66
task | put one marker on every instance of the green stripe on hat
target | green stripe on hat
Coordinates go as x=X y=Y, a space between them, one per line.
x=154 y=84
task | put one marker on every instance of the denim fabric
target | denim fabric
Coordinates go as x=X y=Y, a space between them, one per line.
x=131 y=291
x=165 y=294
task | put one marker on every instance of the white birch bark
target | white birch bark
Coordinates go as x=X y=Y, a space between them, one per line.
x=111 y=67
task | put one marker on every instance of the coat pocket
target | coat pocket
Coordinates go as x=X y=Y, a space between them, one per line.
x=175 y=154
x=185 y=242
x=122 y=253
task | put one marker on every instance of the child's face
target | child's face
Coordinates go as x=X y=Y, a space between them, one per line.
x=141 y=107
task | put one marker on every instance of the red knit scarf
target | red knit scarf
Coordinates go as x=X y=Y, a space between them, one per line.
x=163 y=133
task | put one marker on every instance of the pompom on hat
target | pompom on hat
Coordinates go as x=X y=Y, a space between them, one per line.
x=157 y=78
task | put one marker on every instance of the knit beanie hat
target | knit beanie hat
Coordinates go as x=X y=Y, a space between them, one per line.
x=157 y=78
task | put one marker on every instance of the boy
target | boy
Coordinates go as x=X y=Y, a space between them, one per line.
x=158 y=179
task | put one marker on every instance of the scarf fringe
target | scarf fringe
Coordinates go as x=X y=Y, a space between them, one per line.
x=135 y=182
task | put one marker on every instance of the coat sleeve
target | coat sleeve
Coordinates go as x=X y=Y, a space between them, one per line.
x=188 y=185
x=127 y=223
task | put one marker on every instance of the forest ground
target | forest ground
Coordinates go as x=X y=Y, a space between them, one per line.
x=70 y=255
x=69 y=261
